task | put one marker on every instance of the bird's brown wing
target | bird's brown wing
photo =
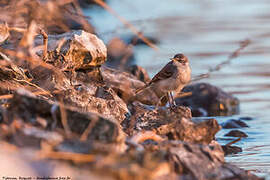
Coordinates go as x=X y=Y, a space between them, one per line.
x=165 y=73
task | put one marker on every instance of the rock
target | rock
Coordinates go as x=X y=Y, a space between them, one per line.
x=236 y=133
x=246 y=118
x=188 y=160
x=75 y=145
x=137 y=41
x=74 y=50
x=176 y=124
x=120 y=54
x=87 y=3
x=27 y=107
x=72 y=24
x=231 y=150
x=136 y=165
x=168 y=158
x=172 y=160
x=166 y=162
x=105 y=101
x=49 y=79
x=233 y=123
x=84 y=93
x=7 y=73
x=2 y=114
x=139 y=72
x=66 y=15
x=181 y=160
x=30 y=136
x=53 y=17
x=200 y=112
x=106 y=98
x=123 y=83
x=208 y=98
x=148 y=96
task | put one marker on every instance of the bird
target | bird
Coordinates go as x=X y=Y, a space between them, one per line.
x=173 y=77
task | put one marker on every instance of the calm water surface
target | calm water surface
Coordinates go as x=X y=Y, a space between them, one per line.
x=207 y=32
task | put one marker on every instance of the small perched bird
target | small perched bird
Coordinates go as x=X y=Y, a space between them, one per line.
x=172 y=78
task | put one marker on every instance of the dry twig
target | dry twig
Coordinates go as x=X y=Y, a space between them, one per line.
x=75 y=157
x=36 y=86
x=234 y=141
x=64 y=118
x=47 y=152
x=88 y=129
x=183 y=94
x=127 y=24
x=232 y=56
x=45 y=43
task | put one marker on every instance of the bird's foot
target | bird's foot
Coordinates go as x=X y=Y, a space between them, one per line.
x=173 y=106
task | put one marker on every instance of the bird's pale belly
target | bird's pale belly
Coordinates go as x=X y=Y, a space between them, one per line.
x=166 y=85
x=170 y=84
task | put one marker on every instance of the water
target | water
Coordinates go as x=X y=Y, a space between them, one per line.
x=207 y=32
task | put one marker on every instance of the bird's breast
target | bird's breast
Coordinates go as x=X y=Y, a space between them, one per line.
x=183 y=74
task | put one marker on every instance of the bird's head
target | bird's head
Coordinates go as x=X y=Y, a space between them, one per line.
x=181 y=58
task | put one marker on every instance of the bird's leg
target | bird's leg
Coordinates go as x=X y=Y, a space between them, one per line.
x=157 y=105
x=172 y=99
x=169 y=99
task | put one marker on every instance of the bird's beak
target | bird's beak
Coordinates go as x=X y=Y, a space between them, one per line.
x=172 y=59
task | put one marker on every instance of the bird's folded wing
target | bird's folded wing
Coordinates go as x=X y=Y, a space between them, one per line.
x=165 y=73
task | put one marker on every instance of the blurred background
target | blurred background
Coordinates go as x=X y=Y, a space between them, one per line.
x=207 y=32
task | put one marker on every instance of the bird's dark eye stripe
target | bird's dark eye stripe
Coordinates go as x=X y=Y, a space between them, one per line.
x=181 y=60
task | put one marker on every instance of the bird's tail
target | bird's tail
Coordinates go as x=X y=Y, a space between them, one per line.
x=141 y=88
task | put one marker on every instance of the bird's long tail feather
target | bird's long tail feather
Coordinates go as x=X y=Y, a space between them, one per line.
x=141 y=88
